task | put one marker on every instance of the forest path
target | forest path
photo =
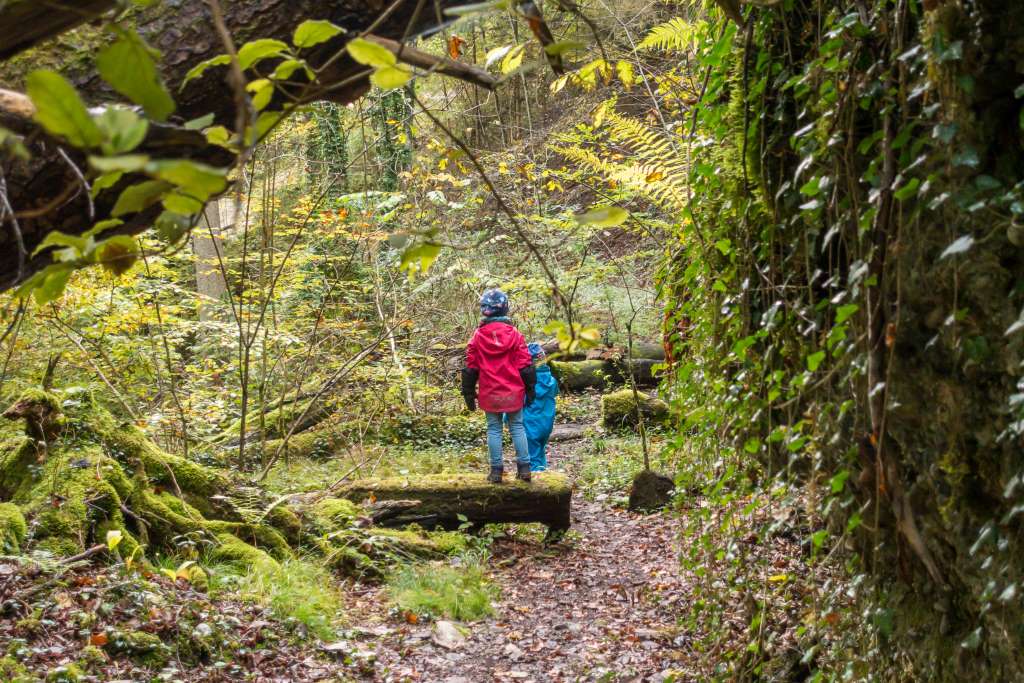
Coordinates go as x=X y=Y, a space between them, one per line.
x=599 y=605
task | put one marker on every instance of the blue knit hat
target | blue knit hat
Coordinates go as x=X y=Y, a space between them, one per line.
x=536 y=351
x=493 y=303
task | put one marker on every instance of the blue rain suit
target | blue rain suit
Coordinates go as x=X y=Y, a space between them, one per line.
x=539 y=418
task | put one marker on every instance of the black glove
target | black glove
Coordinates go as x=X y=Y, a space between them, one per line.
x=469 y=380
x=529 y=377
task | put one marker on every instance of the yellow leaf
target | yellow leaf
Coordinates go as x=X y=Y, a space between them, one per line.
x=114 y=537
x=390 y=77
x=778 y=578
x=370 y=54
x=514 y=59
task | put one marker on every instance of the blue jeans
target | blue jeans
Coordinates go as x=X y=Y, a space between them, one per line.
x=515 y=428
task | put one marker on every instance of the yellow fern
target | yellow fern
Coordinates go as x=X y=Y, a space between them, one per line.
x=675 y=34
x=655 y=169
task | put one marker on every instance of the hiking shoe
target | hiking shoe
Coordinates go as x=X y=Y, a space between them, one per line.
x=522 y=472
x=495 y=476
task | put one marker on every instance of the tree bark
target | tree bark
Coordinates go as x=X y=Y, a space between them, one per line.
x=207 y=246
x=450 y=500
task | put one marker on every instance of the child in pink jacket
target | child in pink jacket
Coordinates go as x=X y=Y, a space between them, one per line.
x=497 y=359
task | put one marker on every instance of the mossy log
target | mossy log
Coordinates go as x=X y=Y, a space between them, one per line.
x=580 y=375
x=574 y=376
x=93 y=474
x=619 y=409
x=450 y=500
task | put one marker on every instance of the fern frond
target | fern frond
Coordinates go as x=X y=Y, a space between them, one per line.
x=675 y=34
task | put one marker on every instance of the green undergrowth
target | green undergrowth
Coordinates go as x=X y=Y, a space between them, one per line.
x=300 y=589
x=456 y=590
x=608 y=464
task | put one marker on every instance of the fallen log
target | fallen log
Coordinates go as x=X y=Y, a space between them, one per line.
x=619 y=409
x=450 y=500
x=581 y=375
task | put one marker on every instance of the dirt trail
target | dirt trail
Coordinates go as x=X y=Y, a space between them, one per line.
x=601 y=605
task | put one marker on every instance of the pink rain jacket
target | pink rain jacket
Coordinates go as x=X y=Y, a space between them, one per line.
x=498 y=351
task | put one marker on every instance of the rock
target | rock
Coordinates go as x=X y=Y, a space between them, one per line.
x=570 y=431
x=448 y=635
x=650 y=491
x=338 y=649
x=512 y=652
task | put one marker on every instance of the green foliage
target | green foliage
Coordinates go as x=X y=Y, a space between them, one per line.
x=454 y=591
x=299 y=589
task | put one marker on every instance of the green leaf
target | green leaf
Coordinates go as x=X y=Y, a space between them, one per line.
x=126 y=163
x=476 y=8
x=171 y=226
x=56 y=238
x=104 y=182
x=195 y=178
x=814 y=360
x=183 y=204
x=263 y=90
x=129 y=66
x=51 y=286
x=257 y=50
x=908 y=190
x=60 y=110
x=313 y=32
x=200 y=68
x=140 y=196
x=370 y=54
x=838 y=482
x=101 y=226
x=818 y=538
x=200 y=122
x=12 y=144
x=562 y=46
x=390 y=77
x=218 y=135
x=286 y=68
x=844 y=312
x=117 y=254
x=419 y=258
x=603 y=216
x=123 y=129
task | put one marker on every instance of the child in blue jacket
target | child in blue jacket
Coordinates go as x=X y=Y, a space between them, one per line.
x=539 y=414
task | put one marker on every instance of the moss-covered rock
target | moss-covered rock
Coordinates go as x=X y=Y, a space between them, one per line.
x=12 y=528
x=233 y=550
x=619 y=409
x=145 y=649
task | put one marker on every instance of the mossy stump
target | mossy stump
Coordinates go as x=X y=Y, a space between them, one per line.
x=450 y=500
x=650 y=491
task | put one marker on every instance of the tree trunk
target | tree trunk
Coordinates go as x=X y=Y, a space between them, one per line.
x=207 y=246
x=450 y=500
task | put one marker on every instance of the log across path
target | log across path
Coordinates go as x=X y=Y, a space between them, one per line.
x=606 y=599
